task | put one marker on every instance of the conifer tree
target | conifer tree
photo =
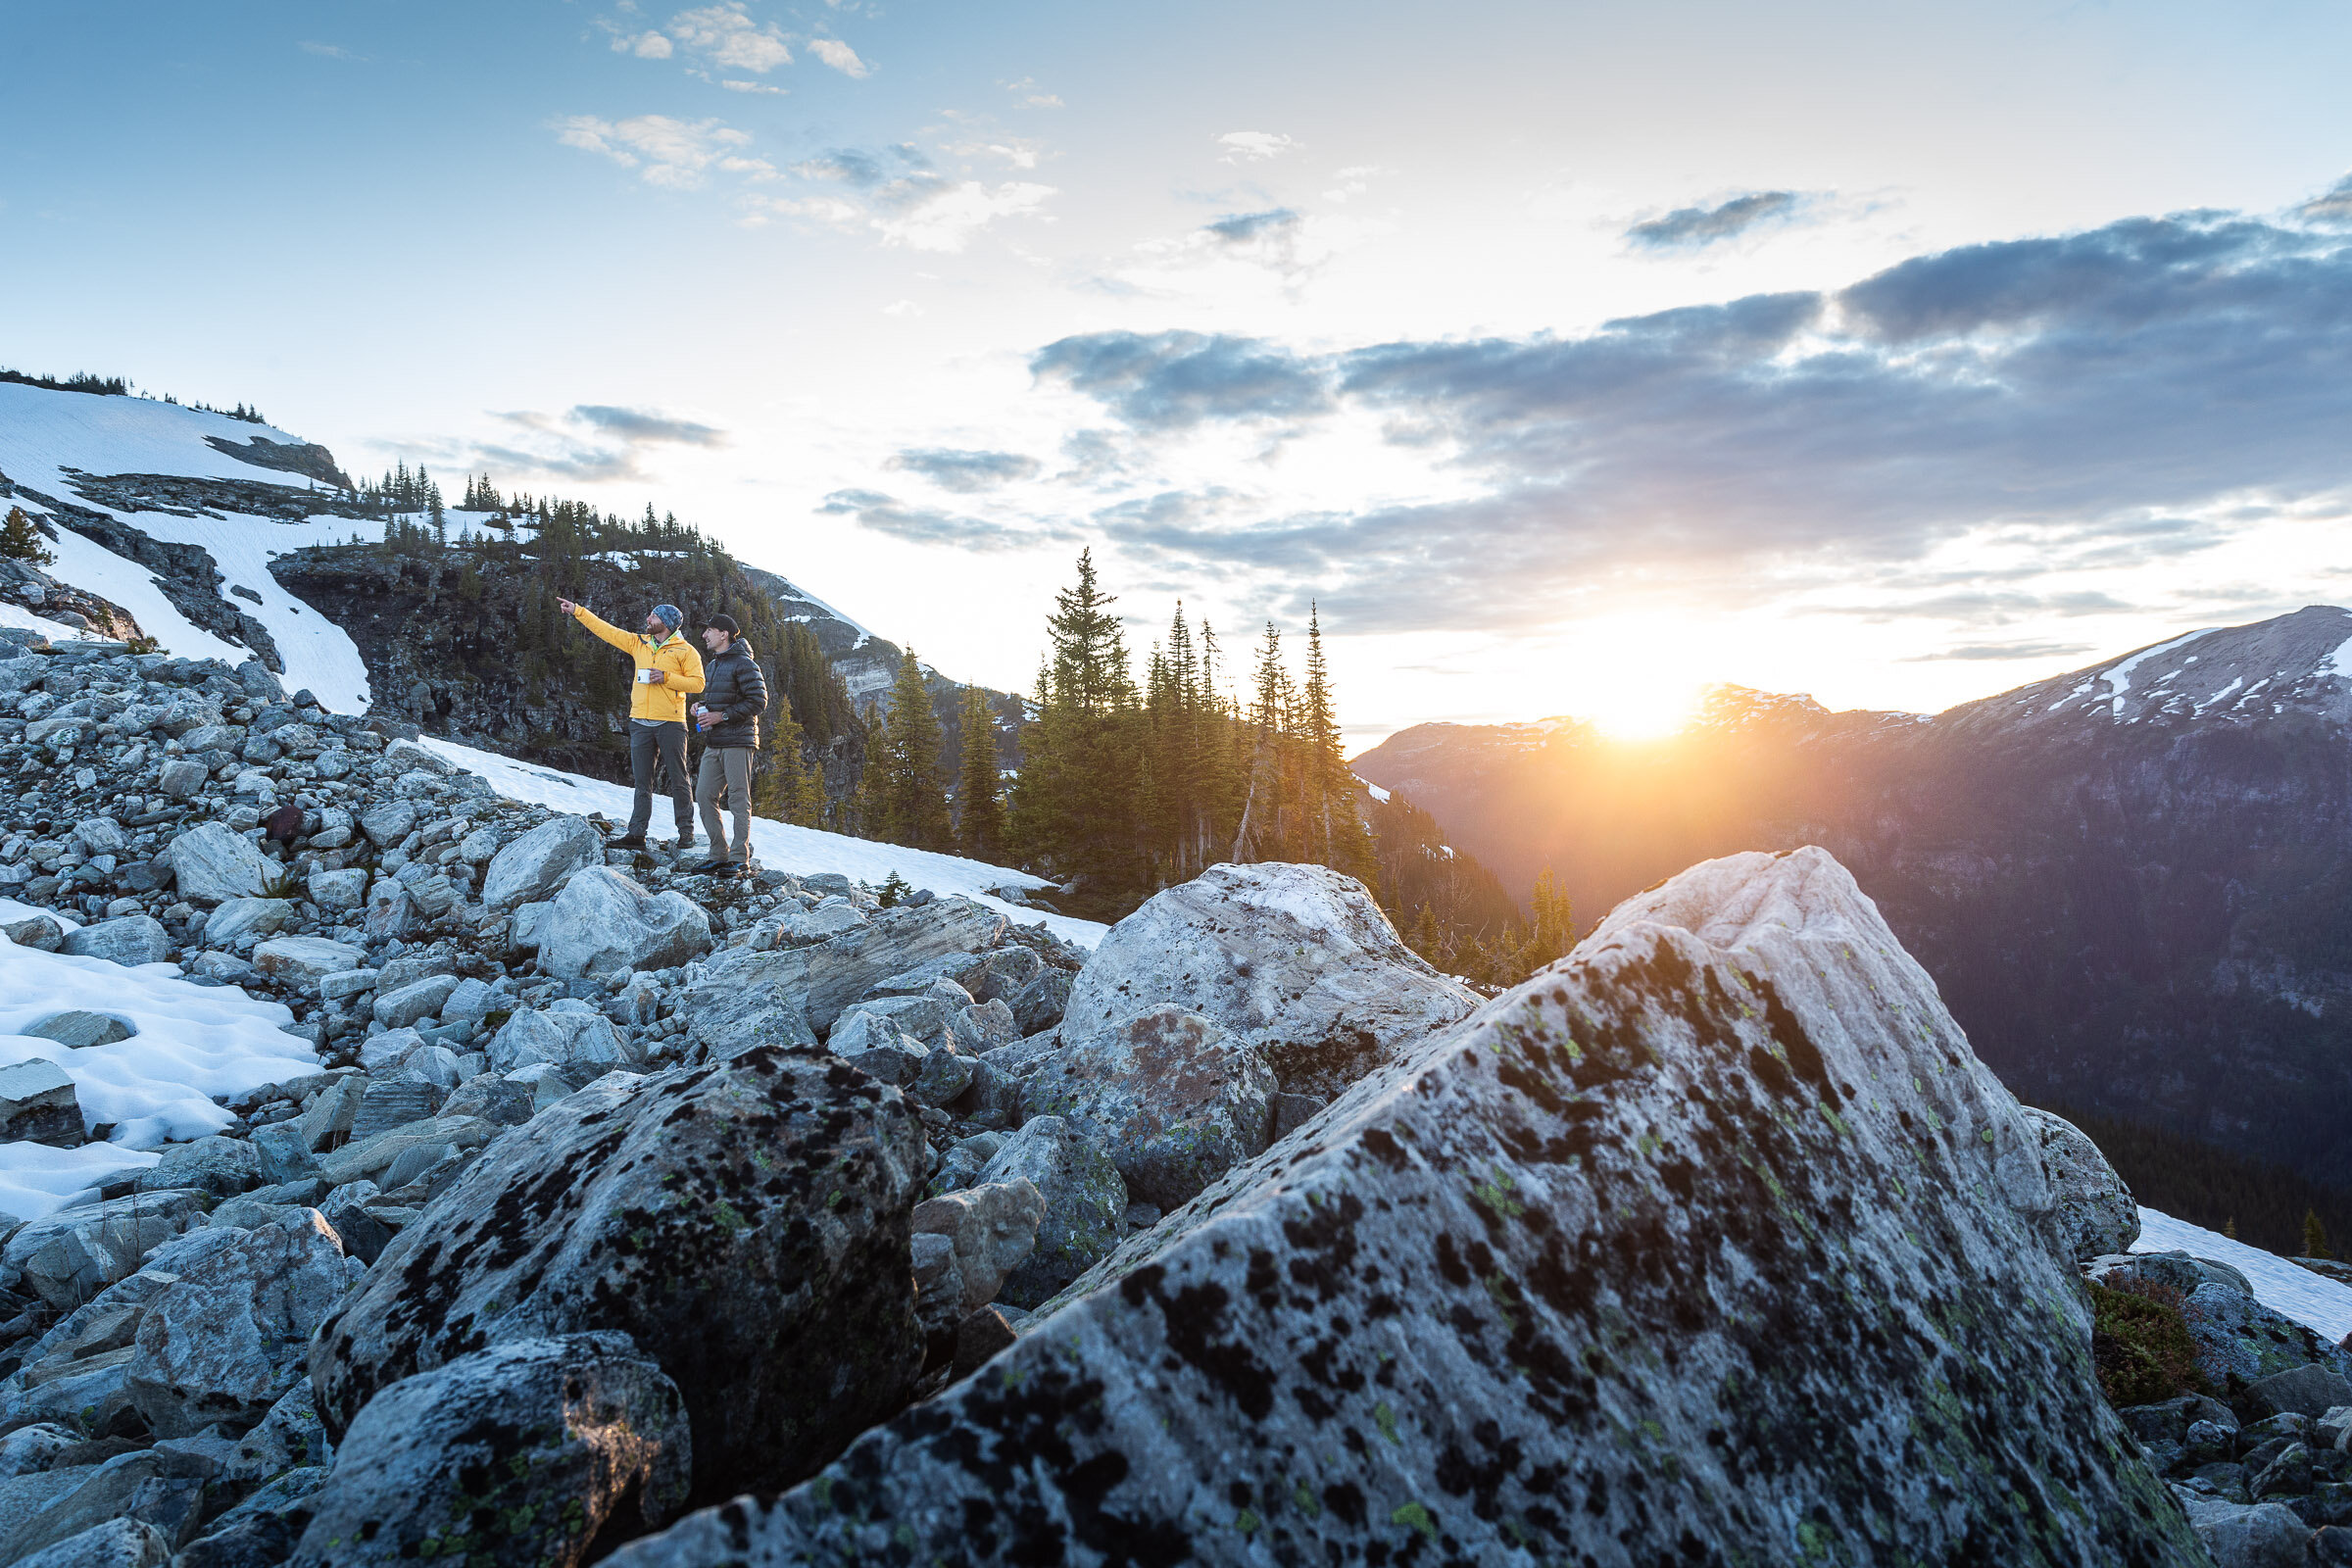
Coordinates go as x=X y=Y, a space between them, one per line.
x=1074 y=806
x=980 y=811
x=20 y=540
x=913 y=798
x=2314 y=1235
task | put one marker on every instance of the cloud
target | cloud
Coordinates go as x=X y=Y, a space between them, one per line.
x=591 y=442
x=965 y=471
x=2335 y=207
x=675 y=153
x=1252 y=146
x=1695 y=228
x=2000 y=651
x=1027 y=91
x=840 y=56
x=330 y=51
x=733 y=85
x=883 y=515
x=648 y=45
x=1171 y=380
x=726 y=36
x=2105 y=399
x=1242 y=228
x=897 y=193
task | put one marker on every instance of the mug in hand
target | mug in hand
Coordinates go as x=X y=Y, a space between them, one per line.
x=645 y=677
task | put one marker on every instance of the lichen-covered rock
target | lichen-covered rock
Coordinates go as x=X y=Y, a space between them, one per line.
x=514 y=1457
x=536 y=863
x=1175 y=1100
x=743 y=985
x=130 y=939
x=1713 y=1244
x=69 y=1257
x=1294 y=959
x=565 y=1037
x=604 y=921
x=227 y=1339
x=2093 y=1212
x=1086 y=1205
x=745 y=1223
x=2235 y=1534
x=2239 y=1341
x=988 y=1230
x=112 y=1544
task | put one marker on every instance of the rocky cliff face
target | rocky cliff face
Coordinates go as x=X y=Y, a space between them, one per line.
x=2132 y=882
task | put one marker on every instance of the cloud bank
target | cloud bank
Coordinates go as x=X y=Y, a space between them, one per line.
x=1696 y=228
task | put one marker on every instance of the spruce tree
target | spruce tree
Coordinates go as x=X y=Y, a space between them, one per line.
x=2314 y=1235
x=20 y=540
x=913 y=800
x=1074 y=806
x=980 y=812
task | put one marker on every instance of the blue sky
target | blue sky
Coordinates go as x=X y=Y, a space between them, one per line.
x=1567 y=356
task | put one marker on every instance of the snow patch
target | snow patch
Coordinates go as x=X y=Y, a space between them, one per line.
x=800 y=850
x=2319 y=1303
x=1374 y=789
x=2120 y=676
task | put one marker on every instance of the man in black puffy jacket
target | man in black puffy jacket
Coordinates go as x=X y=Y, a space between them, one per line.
x=727 y=715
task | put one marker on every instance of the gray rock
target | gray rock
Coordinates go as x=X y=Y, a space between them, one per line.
x=468 y=1002
x=2263 y=1534
x=108 y=1543
x=1604 y=1273
x=227 y=1339
x=1293 y=1111
x=942 y=1078
x=982 y=1027
x=411 y=1003
x=1041 y=1003
x=391 y=912
x=962 y=1162
x=130 y=939
x=924 y=1017
x=209 y=864
x=79 y=1029
x=309 y=960
x=2311 y=1390
x=262 y=1529
x=155 y=1487
x=374 y=1157
x=35 y=931
x=346 y=889
x=395 y=1099
x=1294 y=959
x=384 y=1052
x=30 y=1449
x=523 y=930
x=871 y=1044
x=562 y=1038
x=800 y=928
x=329 y=1118
x=746 y=1223
x=69 y=1257
x=237 y=918
x=745 y=994
x=989 y=1231
x=1086 y=1206
x=220 y=1166
x=515 y=1457
x=604 y=921
x=1003 y=975
x=100 y=835
x=183 y=778
x=535 y=864
x=387 y=823
x=1175 y=1100
x=493 y=1098
x=38 y=1104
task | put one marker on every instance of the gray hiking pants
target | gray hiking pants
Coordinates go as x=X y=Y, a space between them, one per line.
x=660 y=746
x=730 y=767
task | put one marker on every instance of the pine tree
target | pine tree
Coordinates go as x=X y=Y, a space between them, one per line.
x=912 y=799
x=980 y=811
x=2314 y=1235
x=1074 y=812
x=20 y=540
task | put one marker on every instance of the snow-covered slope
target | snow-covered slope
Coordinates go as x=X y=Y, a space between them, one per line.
x=2318 y=1304
x=780 y=845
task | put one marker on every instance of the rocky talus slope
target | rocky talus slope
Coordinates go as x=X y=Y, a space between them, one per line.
x=755 y=1222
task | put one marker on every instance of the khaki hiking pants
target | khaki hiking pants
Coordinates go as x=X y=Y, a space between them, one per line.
x=728 y=767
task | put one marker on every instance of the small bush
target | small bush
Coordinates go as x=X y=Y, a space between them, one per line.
x=2140 y=1344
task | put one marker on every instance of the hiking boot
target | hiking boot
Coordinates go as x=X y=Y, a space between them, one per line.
x=715 y=868
x=627 y=841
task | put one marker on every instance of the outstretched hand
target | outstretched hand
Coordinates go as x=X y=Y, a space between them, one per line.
x=567 y=606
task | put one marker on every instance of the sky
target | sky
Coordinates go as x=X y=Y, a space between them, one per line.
x=1564 y=358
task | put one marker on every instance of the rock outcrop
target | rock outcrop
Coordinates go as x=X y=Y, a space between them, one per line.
x=1297 y=960
x=1713 y=1243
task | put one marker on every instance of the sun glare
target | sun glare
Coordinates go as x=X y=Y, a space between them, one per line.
x=1643 y=707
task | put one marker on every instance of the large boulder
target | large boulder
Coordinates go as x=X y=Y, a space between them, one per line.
x=512 y=1457
x=211 y=862
x=746 y=994
x=1175 y=1100
x=2093 y=1212
x=745 y=1223
x=69 y=1257
x=1085 y=1206
x=306 y=960
x=535 y=864
x=130 y=939
x=604 y=921
x=1294 y=959
x=227 y=1339
x=38 y=1104
x=564 y=1037
x=1714 y=1244
x=965 y=1243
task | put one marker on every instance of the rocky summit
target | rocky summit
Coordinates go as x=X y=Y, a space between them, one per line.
x=572 y=1206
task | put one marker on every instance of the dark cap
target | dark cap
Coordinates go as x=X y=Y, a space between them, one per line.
x=726 y=624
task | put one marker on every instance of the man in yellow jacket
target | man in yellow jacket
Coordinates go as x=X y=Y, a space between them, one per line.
x=669 y=671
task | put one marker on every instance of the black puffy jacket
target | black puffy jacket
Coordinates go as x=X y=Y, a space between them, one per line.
x=733 y=686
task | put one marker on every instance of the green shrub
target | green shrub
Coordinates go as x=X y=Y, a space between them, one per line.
x=2140 y=1344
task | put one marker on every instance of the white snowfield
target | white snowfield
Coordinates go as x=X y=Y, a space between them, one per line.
x=190 y=1043
x=2317 y=1302
x=778 y=844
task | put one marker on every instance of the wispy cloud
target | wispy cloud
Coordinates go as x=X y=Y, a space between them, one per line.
x=840 y=56
x=1999 y=652
x=2334 y=206
x=590 y=442
x=887 y=516
x=726 y=36
x=1695 y=228
x=329 y=51
x=1252 y=146
x=898 y=193
x=965 y=471
x=677 y=153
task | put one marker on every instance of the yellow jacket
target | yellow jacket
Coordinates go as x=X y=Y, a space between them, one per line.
x=681 y=668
